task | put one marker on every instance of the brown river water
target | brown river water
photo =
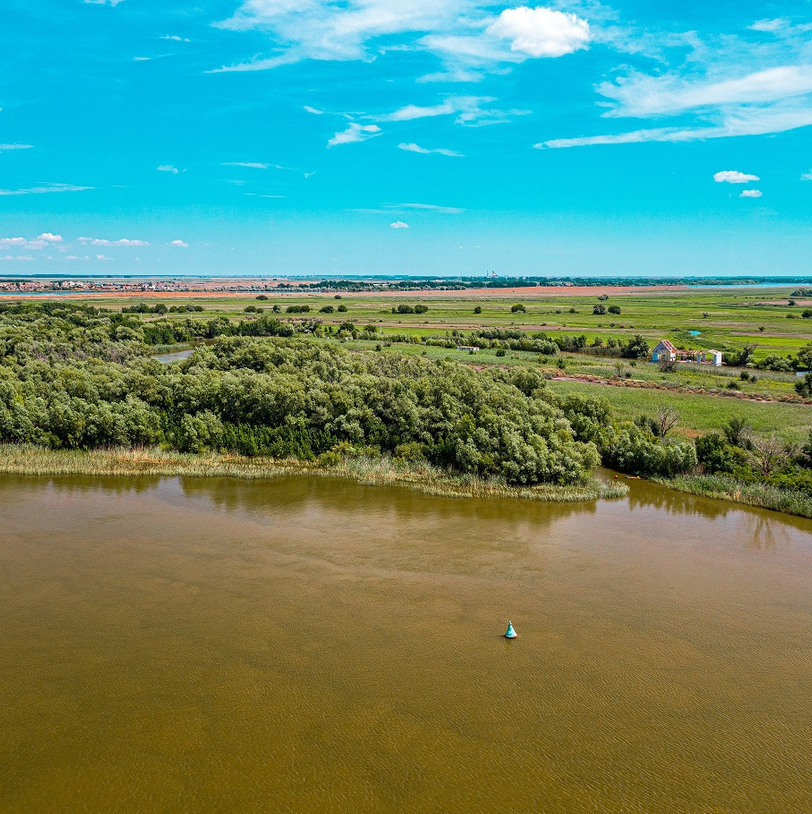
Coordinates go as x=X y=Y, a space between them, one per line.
x=312 y=645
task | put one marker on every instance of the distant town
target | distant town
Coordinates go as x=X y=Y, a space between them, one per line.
x=316 y=284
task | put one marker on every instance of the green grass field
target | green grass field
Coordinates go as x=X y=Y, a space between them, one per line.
x=701 y=413
x=725 y=317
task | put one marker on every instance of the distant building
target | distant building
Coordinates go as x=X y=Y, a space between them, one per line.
x=712 y=357
x=468 y=348
x=664 y=350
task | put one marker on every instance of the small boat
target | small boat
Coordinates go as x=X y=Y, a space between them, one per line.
x=510 y=633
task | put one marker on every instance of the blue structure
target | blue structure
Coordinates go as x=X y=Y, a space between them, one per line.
x=510 y=633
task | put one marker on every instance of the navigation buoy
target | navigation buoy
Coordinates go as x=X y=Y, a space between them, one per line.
x=510 y=633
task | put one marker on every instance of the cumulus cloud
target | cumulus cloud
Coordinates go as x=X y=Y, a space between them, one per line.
x=37 y=243
x=416 y=148
x=8 y=258
x=355 y=133
x=541 y=32
x=807 y=176
x=103 y=257
x=750 y=193
x=399 y=224
x=180 y=244
x=168 y=168
x=95 y=241
x=465 y=34
x=734 y=177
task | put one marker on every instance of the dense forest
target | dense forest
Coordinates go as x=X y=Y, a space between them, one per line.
x=77 y=377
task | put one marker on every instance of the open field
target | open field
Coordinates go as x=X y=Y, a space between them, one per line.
x=725 y=317
x=700 y=413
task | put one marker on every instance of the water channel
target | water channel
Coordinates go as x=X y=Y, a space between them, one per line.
x=312 y=645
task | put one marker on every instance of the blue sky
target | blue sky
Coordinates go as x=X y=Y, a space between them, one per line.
x=278 y=137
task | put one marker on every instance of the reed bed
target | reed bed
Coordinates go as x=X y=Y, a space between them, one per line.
x=33 y=460
x=760 y=495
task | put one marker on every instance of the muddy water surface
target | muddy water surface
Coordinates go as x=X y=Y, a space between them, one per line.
x=309 y=645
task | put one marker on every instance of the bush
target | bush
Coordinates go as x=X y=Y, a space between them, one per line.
x=635 y=451
x=598 y=310
x=613 y=309
x=517 y=309
x=804 y=387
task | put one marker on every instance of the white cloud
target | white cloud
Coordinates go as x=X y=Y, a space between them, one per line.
x=142 y=59
x=37 y=243
x=103 y=257
x=73 y=257
x=254 y=165
x=397 y=208
x=750 y=193
x=95 y=241
x=25 y=258
x=4 y=147
x=314 y=110
x=734 y=177
x=103 y=2
x=807 y=176
x=444 y=210
x=416 y=148
x=466 y=34
x=45 y=189
x=641 y=96
x=399 y=224
x=469 y=111
x=742 y=121
x=174 y=38
x=541 y=32
x=355 y=133
x=180 y=244
x=168 y=168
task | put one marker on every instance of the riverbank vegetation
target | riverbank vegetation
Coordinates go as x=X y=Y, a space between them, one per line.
x=368 y=470
x=282 y=392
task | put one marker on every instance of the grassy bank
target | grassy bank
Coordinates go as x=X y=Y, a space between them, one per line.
x=760 y=495
x=31 y=460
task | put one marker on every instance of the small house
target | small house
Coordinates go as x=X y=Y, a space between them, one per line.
x=711 y=357
x=664 y=350
x=468 y=348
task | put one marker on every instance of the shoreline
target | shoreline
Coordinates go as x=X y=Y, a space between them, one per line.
x=40 y=461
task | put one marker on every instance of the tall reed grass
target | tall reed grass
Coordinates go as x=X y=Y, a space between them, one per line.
x=761 y=495
x=33 y=460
